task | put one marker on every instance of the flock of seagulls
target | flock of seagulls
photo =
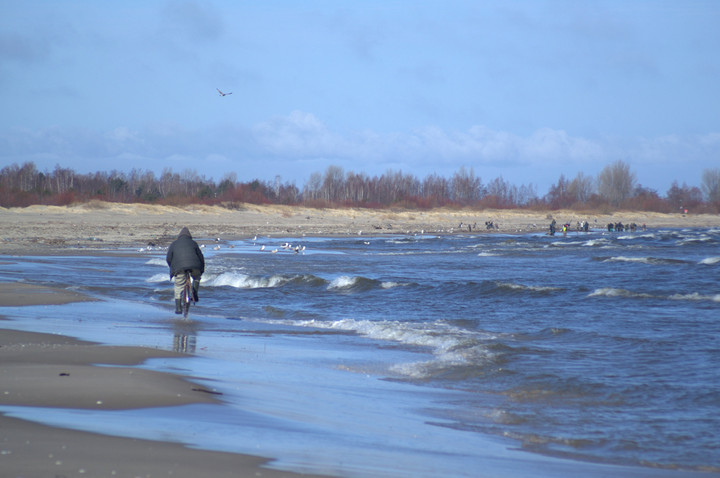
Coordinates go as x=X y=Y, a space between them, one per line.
x=296 y=249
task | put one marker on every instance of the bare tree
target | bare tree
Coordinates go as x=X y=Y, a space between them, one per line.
x=526 y=195
x=313 y=186
x=64 y=179
x=466 y=186
x=501 y=192
x=558 y=196
x=711 y=185
x=616 y=182
x=581 y=188
x=333 y=184
x=357 y=187
x=436 y=188
x=683 y=197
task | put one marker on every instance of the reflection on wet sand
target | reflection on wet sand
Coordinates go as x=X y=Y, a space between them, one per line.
x=185 y=336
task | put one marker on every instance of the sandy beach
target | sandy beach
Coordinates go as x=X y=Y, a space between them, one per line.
x=46 y=370
x=39 y=229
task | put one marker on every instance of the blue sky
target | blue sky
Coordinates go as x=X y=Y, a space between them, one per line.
x=526 y=90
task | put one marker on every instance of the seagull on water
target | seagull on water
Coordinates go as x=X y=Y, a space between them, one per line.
x=223 y=94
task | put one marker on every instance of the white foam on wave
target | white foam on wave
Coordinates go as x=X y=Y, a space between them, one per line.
x=643 y=260
x=646 y=260
x=244 y=281
x=710 y=261
x=156 y=261
x=389 y=284
x=695 y=296
x=596 y=242
x=343 y=282
x=694 y=240
x=164 y=277
x=615 y=292
x=533 y=288
x=566 y=243
x=450 y=346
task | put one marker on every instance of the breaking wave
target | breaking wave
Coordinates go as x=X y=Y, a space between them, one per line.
x=358 y=284
x=157 y=261
x=239 y=280
x=695 y=296
x=452 y=348
x=645 y=260
x=616 y=292
x=163 y=277
x=710 y=261
x=509 y=286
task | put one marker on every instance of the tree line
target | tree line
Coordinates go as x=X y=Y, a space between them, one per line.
x=615 y=187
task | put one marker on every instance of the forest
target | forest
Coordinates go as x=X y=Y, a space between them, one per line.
x=614 y=188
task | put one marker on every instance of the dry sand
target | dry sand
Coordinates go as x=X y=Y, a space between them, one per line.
x=45 y=370
x=39 y=229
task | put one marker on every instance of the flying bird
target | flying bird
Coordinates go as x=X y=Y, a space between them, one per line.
x=223 y=94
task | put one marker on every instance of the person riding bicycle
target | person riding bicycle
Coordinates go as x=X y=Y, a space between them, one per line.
x=184 y=254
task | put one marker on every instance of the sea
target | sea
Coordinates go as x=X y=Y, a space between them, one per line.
x=591 y=354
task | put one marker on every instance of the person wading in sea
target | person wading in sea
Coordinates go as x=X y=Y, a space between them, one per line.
x=185 y=254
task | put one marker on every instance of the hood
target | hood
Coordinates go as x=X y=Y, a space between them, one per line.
x=184 y=232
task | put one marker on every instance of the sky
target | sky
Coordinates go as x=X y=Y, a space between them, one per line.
x=523 y=90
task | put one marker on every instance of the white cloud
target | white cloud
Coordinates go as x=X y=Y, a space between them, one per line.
x=301 y=134
x=298 y=134
x=298 y=144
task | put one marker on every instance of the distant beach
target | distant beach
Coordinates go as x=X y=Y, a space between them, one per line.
x=39 y=229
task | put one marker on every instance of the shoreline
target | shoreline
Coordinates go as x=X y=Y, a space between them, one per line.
x=37 y=230
x=57 y=371
x=32 y=443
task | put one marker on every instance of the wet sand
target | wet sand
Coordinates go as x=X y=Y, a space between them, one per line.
x=46 y=370
x=97 y=225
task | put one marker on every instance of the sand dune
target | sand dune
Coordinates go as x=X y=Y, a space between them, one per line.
x=101 y=224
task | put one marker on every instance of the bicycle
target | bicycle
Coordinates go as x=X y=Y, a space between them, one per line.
x=187 y=296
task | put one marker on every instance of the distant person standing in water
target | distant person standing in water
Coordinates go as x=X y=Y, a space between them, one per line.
x=184 y=254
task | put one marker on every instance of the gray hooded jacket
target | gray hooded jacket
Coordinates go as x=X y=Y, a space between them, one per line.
x=185 y=254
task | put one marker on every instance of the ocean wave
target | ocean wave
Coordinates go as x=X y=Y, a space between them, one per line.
x=566 y=243
x=710 y=261
x=452 y=347
x=156 y=261
x=244 y=281
x=389 y=284
x=615 y=292
x=596 y=242
x=694 y=240
x=163 y=277
x=695 y=296
x=239 y=280
x=645 y=260
x=511 y=286
x=636 y=236
x=359 y=283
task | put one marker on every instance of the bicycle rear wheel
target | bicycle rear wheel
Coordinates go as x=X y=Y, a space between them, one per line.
x=187 y=296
